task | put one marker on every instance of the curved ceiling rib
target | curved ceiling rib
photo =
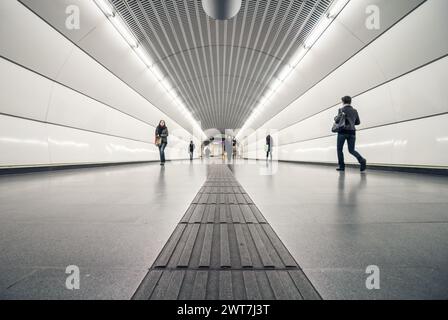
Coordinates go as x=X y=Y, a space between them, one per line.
x=208 y=76
x=221 y=68
x=186 y=51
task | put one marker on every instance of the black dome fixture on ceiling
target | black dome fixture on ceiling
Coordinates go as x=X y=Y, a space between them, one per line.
x=221 y=9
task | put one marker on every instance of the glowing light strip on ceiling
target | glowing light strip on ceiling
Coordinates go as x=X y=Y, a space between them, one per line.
x=142 y=54
x=283 y=75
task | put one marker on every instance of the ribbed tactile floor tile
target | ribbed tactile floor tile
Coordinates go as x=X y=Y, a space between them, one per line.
x=226 y=285
x=224 y=249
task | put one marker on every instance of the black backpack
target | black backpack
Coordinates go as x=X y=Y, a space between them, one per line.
x=340 y=124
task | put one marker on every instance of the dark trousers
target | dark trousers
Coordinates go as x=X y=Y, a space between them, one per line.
x=162 y=147
x=191 y=155
x=351 y=141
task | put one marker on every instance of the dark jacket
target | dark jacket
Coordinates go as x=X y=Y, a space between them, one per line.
x=269 y=140
x=351 y=119
x=162 y=132
x=191 y=147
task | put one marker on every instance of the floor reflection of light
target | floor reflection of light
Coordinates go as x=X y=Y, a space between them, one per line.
x=442 y=139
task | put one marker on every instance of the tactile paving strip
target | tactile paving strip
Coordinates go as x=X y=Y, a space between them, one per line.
x=223 y=248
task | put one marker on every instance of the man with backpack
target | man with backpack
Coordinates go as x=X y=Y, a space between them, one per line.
x=345 y=125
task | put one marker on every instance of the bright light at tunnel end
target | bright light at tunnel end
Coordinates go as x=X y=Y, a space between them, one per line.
x=142 y=54
x=336 y=7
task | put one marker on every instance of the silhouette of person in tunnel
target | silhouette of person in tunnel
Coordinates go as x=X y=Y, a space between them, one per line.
x=191 y=148
x=229 y=148
x=161 y=140
x=269 y=144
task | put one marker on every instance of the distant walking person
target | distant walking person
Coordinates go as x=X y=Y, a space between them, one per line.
x=234 y=148
x=191 y=148
x=346 y=122
x=229 y=148
x=207 y=152
x=162 y=140
x=268 y=146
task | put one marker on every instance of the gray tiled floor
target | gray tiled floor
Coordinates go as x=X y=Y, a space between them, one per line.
x=338 y=224
x=113 y=222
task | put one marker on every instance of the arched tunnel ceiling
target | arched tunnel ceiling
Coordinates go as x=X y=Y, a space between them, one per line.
x=221 y=68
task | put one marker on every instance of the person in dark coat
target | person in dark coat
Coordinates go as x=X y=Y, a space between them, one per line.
x=348 y=133
x=162 y=140
x=269 y=146
x=191 y=148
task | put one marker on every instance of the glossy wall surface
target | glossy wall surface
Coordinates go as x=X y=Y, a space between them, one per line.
x=59 y=106
x=398 y=82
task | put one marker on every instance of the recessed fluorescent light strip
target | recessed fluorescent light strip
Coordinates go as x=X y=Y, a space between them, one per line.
x=123 y=30
x=333 y=12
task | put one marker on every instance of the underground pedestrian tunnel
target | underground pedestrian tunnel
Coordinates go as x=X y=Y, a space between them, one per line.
x=248 y=205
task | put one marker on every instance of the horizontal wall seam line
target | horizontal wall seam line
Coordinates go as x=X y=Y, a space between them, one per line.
x=343 y=63
x=374 y=164
x=66 y=164
x=71 y=127
x=94 y=59
x=370 y=128
x=395 y=168
x=36 y=168
x=368 y=90
x=75 y=90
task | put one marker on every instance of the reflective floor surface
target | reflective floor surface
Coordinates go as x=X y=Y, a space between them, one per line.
x=113 y=222
x=337 y=225
x=110 y=222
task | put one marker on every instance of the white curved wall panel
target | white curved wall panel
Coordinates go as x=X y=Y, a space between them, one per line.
x=113 y=51
x=419 y=39
x=417 y=94
x=114 y=55
x=84 y=74
x=354 y=16
x=327 y=93
x=97 y=117
x=72 y=109
x=23 y=142
x=391 y=55
x=57 y=11
x=75 y=68
x=30 y=43
x=423 y=92
x=77 y=146
x=23 y=93
x=396 y=80
x=347 y=35
x=37 y=46
x=31 y=143
x=100 y=40
x=417 y=143
x=34 y=143
x=422 y=142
